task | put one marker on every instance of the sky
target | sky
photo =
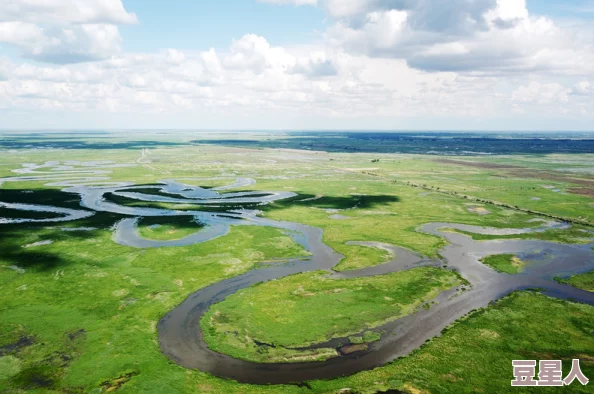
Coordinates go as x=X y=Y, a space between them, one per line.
x=297 y=64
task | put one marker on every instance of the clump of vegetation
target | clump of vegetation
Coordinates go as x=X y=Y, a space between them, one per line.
x=506 y=263
x=367 y=337
x=117 y=383
x=361 y=257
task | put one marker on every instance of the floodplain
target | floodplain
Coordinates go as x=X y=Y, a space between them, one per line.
x=320 y=271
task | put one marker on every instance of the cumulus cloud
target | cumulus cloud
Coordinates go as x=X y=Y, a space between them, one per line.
x=424 y=15
x=262 y=78
x=66 y=12
x=316 y=65
x=254 y=53
x=458 y=35
x=64 y=31
x=378 y=58
x=380 y=31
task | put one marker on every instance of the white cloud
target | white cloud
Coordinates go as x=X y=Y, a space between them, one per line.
x=66 y=12
x=211 y=61
x=317 y=64
x=582 y=93
x=378 y=59
x=64 y=31
x=541 y=93
x=174 y=56
x=583 y=87
x=507 y=11
x=255 y=53
x=20 y=33
x=344 y=9
x=76 y=43
x=459 y=35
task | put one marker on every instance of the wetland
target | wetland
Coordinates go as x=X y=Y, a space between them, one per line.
x=248 y=277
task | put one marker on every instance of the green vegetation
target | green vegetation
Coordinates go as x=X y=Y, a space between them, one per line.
x=85 y=310
x=167 y=228
x=82 y=316
x=475 y=354
x=572 y=235
x=582 y=281
x=380 y=212
x=275 y=313
x=507 y=263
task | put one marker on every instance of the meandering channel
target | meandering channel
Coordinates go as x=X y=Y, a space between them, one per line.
x=179 y=330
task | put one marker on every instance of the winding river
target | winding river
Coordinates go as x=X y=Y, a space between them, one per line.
x=179 y=330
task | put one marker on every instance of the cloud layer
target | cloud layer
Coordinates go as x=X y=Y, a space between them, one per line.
x=64 y=31
x=377 y=59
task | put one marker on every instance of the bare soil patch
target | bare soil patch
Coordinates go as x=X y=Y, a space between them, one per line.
x=353 y=348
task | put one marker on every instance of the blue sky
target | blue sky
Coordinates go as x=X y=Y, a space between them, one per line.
x=283 y=64
x=583 y=9
x=194 y=25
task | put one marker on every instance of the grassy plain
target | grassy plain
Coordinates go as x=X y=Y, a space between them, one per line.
x=82 y=315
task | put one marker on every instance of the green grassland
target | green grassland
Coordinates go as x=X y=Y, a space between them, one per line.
x=507 y=263
x=475 y=354
x=82 y=316
x=583 y=281
x=385 y=213
x=108 y=298
x=168 y=228
x=362 y=257
x=515 y=188
x=275 y=313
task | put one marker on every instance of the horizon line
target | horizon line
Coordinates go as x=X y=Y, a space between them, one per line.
x=211 y=130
